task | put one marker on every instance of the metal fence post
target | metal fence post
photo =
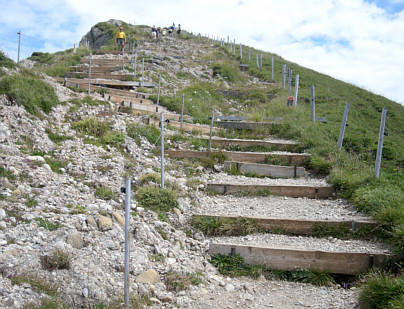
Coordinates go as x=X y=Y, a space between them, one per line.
x=289 y=81
x=283 y=75
x=296 y=90
x=380 y=143
x=313 y=103
x=241 y=52
x=182 y=111
x=127 y=244
x=158 y=96
x=89 y=73
x=162 y=148
x=249 y=54
x=142 y=71
x=272 y=67
x=135 y=66
x=261 y=64
x=211 y=130
x=343 y=126
x=258 y=65
x=19 y=45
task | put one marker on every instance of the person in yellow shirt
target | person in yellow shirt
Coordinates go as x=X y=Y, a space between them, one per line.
x=120 y=39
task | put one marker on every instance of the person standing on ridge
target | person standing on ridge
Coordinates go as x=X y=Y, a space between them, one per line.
x=120 y=39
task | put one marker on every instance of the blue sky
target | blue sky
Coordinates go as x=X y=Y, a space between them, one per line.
x=358 y=41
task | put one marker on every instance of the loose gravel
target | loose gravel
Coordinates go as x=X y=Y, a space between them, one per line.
x=279 y=207
x=223 y=178
x=329 y=244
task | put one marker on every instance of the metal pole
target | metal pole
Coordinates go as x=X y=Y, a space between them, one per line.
x=261 y=64
x=158 y=96
x=127 y=247
x=182 y=112
x=211 y=130
x=249 y=54
x=162 y=148
x=234 y=47
x=272 y=67
x=89 y=73
x=134 y=69
x=19 y=45
x=343 y=126
x=283 y=75
x=296 y=90
x=313 y=104
x=289 y=81
x=241 y=52
x=258 y=65
x=142 y=71
x=380 y=144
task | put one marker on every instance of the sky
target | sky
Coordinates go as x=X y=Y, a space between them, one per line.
x=358 y=41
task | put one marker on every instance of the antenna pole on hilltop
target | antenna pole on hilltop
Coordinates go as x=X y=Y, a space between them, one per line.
x=19 y=44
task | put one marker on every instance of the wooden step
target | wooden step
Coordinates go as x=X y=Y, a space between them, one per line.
x=95 y=69
x=288 y=225
x=265 y=169
x=249 y=157
x=121 y=77
x=111 y=82
x=279 y=145
x=240 y=125
x=350 y=263
x=187 y=127
x=128 y=100
x=315 y=192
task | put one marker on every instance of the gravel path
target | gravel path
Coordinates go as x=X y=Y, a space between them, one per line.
x=306 y=243
x=248 y=293
x=239 y=179
x=279 y=207
x=267 y=139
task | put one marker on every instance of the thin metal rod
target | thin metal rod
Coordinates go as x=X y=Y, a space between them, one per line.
x=283 y=75
x=241 y=52
x=272 y=67
x=182 y=112
x=249 y=54
x=135 y=66
x=380 y=143
x=313 y=104
x=162 y=148
x=261 y=64
x=289 y=81
x=296 y=90
x=258 y=65
x=142 y=71
x=343 y=126
x=211 y=130
x=19 y=45
x=89 y=73
x=158 y=96
x=127 y=244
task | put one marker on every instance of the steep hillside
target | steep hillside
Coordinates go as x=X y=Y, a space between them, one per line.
x=64 y=155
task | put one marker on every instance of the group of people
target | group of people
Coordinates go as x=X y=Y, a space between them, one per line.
x=156 y=32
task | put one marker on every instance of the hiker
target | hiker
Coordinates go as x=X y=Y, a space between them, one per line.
x=179 y=29
x=154 y=33
x=120 y=39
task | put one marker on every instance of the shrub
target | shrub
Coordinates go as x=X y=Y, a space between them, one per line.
x=105 y=193
x=151 y=177
x=47 y=224
x=91 y=126
x=156 y=198
x=6 y=62
x=31 y=92
x=225 y=71
x=58 y=260
x=136 y=130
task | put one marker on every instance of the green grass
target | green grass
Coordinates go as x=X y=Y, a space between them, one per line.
x=56 y=165
x=56 y=138
x=105 y=193
x=177 y=282
x=136 y=130
x=7 y=173
x=157 y=199
x=6 y=62
x=225 y=226
x=58 y=260
x=37 y=285
x=383 y=292
x=30 y=91
x=46 y=224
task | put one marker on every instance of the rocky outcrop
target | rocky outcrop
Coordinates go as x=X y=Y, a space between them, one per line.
x=98 y=37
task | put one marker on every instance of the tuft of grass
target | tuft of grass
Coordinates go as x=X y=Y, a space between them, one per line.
x=177 y=282
x=30 y=91
x=383 y=291
x=56 y=165
x=150 y=177
x=46 y=224
x=6 y=173
x=156 y=198
x=56 y=138
x=136 y=130
x=31 y=203
x=38 y=285
x=6 y=62
x=217 y=226
x=105 y=193
x=58 y=260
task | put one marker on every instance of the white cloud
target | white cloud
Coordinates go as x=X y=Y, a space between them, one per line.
x=363 y=44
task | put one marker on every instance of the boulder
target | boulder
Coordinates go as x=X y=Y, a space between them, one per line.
x=118 y=218
x=150 y=276
x=104 y=223
x=75 y=240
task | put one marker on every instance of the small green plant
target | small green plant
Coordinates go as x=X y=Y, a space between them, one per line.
x=37 y=285
x=46 y=224
x=177 y=282
x=162 y=232
x=56 y=138
x=6 y=173
x=31 y=203
x=158 y=257
x=156 y=198
x=79 y=209
x=150 y=177
x=58 y=260
x=56 y=165
x=218 y=226
x=136 y=130
x=6 y=62
x=105 y=193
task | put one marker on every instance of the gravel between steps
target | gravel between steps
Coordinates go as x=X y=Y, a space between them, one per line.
x=248 y=293
x=305 y=243
x=268 y=139
x=239 y=179
x=278 y=207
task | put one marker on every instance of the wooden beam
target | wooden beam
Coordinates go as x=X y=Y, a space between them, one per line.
x=223 y=142
x=245 y=125
x=290 y=191
x=265 y=169
x=249 y=157
x=349 y=263
x=187 y=127
x=294 y=226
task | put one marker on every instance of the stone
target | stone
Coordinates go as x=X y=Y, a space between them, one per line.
x=165 y=298
x=36 y=159
x=118 y=218
x=177 y=211
x=104 y=223
x=2 y=214
x=91 y=222
x=150 y=276
x=75 y=240
x=229 y=287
